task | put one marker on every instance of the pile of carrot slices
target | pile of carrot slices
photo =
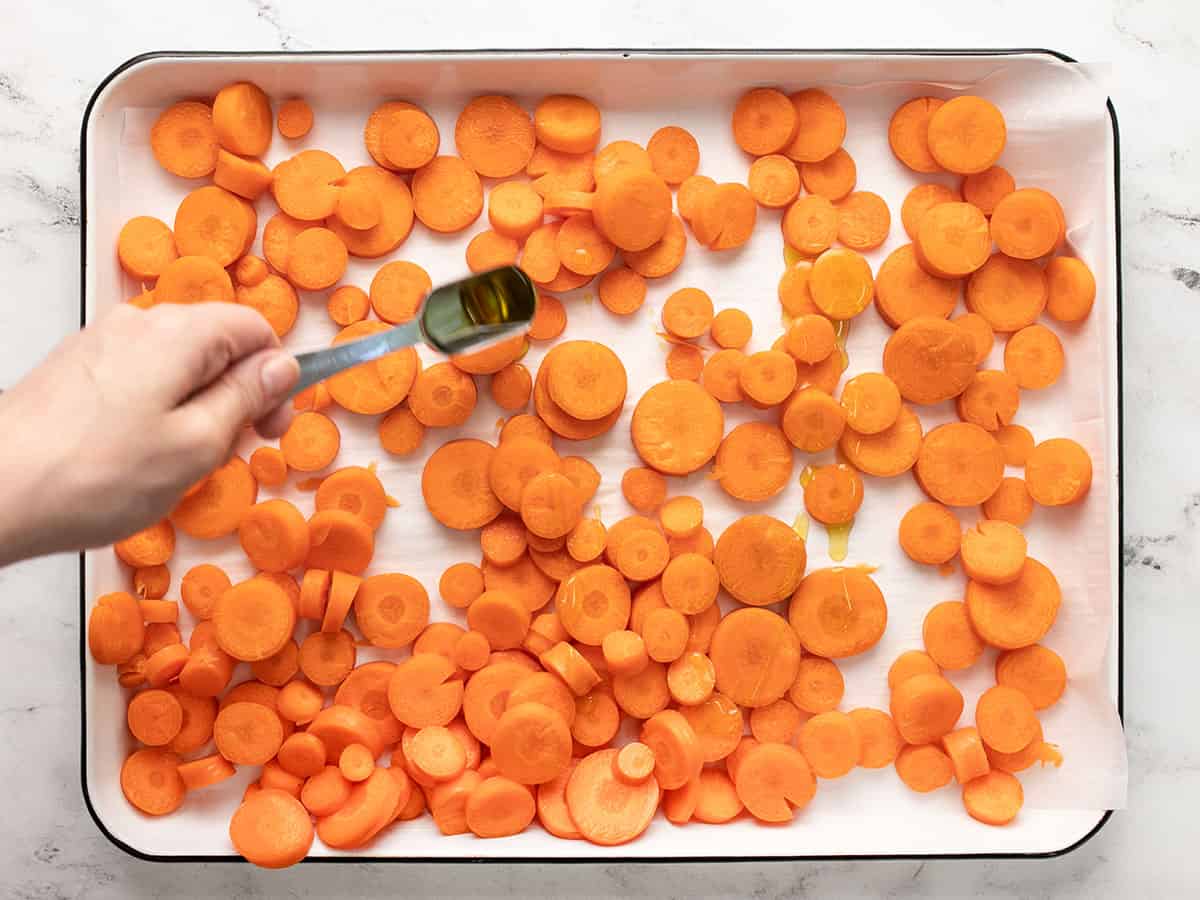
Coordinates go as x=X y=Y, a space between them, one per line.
x=592 y=675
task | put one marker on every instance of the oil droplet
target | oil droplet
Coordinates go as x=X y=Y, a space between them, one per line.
x=372 y=466
x=839 y=540
x=841 y=331
x=800 y=525
x=791 y=255
x=806 y=476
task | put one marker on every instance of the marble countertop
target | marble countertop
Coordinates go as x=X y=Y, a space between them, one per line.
x=52 y=55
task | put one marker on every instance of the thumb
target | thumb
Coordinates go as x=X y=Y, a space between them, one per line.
x=248 y=391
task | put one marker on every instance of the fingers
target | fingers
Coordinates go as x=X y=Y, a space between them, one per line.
x=251 y=390
x=276 y=422
x=203 y=340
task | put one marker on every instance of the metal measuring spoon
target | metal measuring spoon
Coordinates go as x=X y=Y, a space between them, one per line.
x=475 y=311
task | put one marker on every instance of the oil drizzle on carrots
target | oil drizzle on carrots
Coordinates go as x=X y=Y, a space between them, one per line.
x=800 y=525
x=839 y=540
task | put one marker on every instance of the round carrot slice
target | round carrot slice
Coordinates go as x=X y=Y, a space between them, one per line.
x=374 y=387
x=863 y=220
x=831 y=743
x=1011 y=502
x=966 y=135
x=891 y=452
x=662 y=258
x=810 y=225
x=1034 y=357
x=994 y=798
x=833 y=177
x=592 y=602
x=838 y=612
x=642 y=193
x=930 y=534
x=929 y=359
x=1071 y=289
x=495 y=136
x=993 y=552
x=987 y=188
x=754 y=462
x=606 y=810
x=960 y=464
x=756 y=656
x=1016 y=614
x=774 y=181
x=879 y=737
x=903 y=290
x=764 y=121
x=908 y=133
x=1006 y=719
x=675 y=749
x=952 y=240
x=949 y=639
x=447 y=195
x=253 y=620
x=925 y=707
x=391 y=609
x=247 y=734
x=760 y=560
x=841 y=284
x=184 y=140
x=1058 y=472
x=531 y=743
x=924 y=768
x=820 y=126
x=677 y=427
x=586 y=379
x=1008 y=293
x=423 y=691
x=1036 y=671
x=151 y=782
x=455 y=485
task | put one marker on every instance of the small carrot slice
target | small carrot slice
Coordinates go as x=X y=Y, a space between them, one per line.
x=756 y=656
x=930 y=534
x=994 y=798
x=833 y=177
x=891 y=452
x=880 y=741
x=812 y=420
x=1036 y=671
x=966 y=135
x=760 y=560
x=677 y=427
x=863 y=220
x=838 y=612
x=754 y=462
x=960 y=464
x=1027 y=224
x=818 y=686
x=1006 y=719
x=820 y=126
x=924 y=767
x=184 y=139
x=674 y=153
x=764 y=121
x=967 y=754
x=949 y=639
x=628 y=189
x=774 y=181
x=833 y=494
x=776 y=723
x=810 y=224
x=1070 y=289
x=908 y=133
x=910 y=663
x=929 y=359
x=987 y=188
x=925 y=707
x=952 y=240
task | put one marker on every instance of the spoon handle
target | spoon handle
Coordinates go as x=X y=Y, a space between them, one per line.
x=318 y=365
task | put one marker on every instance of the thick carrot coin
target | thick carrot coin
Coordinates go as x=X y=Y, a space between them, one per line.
x=811 y=338
x=674 y=153
x=930 y=534
x=903 y=290
x=663 y=257
x=1008 y=293
x=924 y=768
x=1016 y=614
x=768 y=377
x=993 y=552
x=1006 y=719
x=891 y=452
x=820 y=126
x=721 y=375
x=447 y=195
x=819 y=685
x=1011 y=502
x=1070 y=289
x=812 y=420
x=810 y=224
x=253 y=620
x=151 y=782
x=606 y=810
x=910 y=663
x=949 y=639
x=990 y=401
x=966 y=135
x=760 y=560
x=929 y=359
x=908 y=134
x=624 y=191
x=831 y=744
x=925 y=707
x=960 y=464
x=586 y=379
x=1028 y=223
x=184 y=139
x=987 y=188
x=423 y=692
x=495 y=136
x=764 y=121
x=247 y=734
x=592 y=602
x=774 y=181
x=967 y=754
x=677 y=427
x=952 y=240
x=1036 y=671
x=340 y=540
x=501 y=617
x=754 y=462
x=756 y=656
x=404 y=119
x=994 y=798
x=552 y=806
x=531 y=743
x=1058 y=472
x=777 y=723
x=838 y=612
x=793 y=292
x=833 y=494
x=681 y=516
x=154 y=717
x=455 y=485
x=880 y=741
x=863 y=220
x=832 y=178
x=1034 y=357
x=871 y=402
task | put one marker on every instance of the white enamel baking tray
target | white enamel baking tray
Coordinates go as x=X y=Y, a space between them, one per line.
x=1061 y=136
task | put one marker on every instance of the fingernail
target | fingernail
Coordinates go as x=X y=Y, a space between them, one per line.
x=279 y=372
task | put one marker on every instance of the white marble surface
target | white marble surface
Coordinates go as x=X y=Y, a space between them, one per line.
x=52 y=54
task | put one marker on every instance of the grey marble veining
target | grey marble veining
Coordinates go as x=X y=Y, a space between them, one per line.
x=52 y=54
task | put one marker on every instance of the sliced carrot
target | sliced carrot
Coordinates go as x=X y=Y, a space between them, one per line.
x=810 y=338
x=949 y=639
x=279 y=669
x=151 y=582
x=495 y=136
x=531 y=743
x=794 y=295
x=299 y=702
x=491 y=250
x=987 y=188
x=294 y=118
x=304 y=186
x=768 y=377
x=818 y=686
x=994 y=798
x=145 y=246
x=776 y=723
x=685 y=362
x=832 y=177
x=718 y=800
x=764 y=121
x=340 y=540
x=929 y=359
x=1034 y=357
x=930 y=534
x=830 y=743
x=395 y=212
x=863 y=220
x=833 y=494
x=1070 y=289
x=721 y=375
x=629 y=189
x=274 y=535
x=1027 y=224
x=760 y=560
x=247 y=733
x=214 y=223
x=326 y=658
x=1058 y=472
x=240 y=175
x=447 y=195
x=925 y=707
x=924 y=767
x=810 y=224
x=967 y=754
x=1006 y=719
x=908 y=134
x=1036 y=671
x=774 y=181
x=981 y=333
x=253 y=620
x=378 y=386
x=413 y=136
x=903 y=290
x=606 y=810
x=250 y=270
x=677 y=427
x=993 y=552
x=674 y=154
x=812 y=420
x=960 y=464
x=838 y=612
x=1016 y=614
x=990 y=401
x=1010 y=503
x=820 y=126
x=442 y=396
x=455 y=485
x=966 y=135
x=662 y=258
x=372 y=804
x=891 y=452
x=502 y=618
x=952 y=240
x=910 y=663
x=681 y=517
x=756 y=656
x=1008 y=293
x=184 y=140
x=754 y=462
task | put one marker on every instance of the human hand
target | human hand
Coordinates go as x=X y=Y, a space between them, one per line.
x=105 y=435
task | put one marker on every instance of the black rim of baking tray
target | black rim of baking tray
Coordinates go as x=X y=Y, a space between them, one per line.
x=627 y=53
